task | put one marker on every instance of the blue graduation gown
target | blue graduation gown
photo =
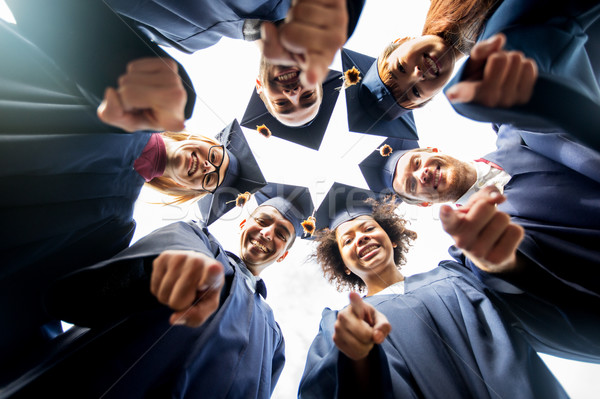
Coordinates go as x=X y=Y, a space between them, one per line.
x=193 y=25
x=68 y=183
x=447 y=341
x=559 y=207
x=562 y=37
x=237 y=353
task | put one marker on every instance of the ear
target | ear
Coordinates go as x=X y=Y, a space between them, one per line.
x=425 y=204
x=242 y=224
x=259 y=87
x=282 y=257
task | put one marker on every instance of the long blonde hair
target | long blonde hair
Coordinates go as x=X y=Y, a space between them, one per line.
x=167 y=186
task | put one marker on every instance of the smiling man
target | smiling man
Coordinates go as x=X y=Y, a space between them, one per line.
x=285 y=97
x=203 y=328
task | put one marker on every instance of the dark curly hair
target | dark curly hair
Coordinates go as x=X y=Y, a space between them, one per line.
x=328 y=254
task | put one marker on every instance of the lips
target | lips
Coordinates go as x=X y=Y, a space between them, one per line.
x=368 y=251
x=288 y=76
x=431 y=66
x=259 y=246
x=437 y=175
x=193 y=164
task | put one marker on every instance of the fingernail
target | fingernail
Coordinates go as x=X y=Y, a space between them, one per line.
x=180 y=322
x=494 y=194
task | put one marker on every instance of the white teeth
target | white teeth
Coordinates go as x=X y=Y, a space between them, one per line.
x=194 y=167
x=431 y=66
x=287 y=76
x=367 y=250
x=258 y=245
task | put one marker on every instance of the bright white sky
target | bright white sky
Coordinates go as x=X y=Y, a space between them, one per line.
x=223 y=77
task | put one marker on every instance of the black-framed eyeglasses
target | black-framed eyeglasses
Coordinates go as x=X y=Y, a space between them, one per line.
x=216 y=155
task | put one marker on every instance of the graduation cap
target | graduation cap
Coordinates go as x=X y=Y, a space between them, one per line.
x=343 y=203
x=243 y=174
x=372 y=109
x=378 y=170
x=293 y=202
x=310 y=135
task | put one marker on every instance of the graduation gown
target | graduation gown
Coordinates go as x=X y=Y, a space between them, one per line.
x=193 y=25
x=559 y=207
x=237 y=353
x=68 y=183
x=562 y=37
x=447 y=341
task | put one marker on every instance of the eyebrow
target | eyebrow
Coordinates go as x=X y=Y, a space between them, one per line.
x=358 y=226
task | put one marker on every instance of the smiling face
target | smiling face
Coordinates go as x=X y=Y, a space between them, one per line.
x=265 y=238
x=365 y=248
x=284 y=96
x=432 y=177
x=417 y=69
x=188 y=164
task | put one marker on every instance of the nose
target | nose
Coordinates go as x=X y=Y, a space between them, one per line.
x=362 y=239
x=267 y=232
x=418 y=73
x=207 y=167
x=423 y=175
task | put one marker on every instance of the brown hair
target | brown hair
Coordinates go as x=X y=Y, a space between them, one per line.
x=167 y=186
x=458 y=22
x=328 y=254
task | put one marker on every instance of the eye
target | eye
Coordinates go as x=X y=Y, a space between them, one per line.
x=281 y=103
x=346 y=242
x=416 y=92
x=213 y=156
x=259 y=221
x=401 y=68
x=370 y=228
x=417 y=163
x=282 y=236
x=210 y=180
x=307 y=95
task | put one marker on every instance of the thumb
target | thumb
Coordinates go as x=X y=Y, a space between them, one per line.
x=463 y=92
x=449 y=219
x=110 y=109
x=272 y=48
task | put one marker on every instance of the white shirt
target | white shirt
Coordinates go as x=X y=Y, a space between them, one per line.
x=394 y=289
x=486 y=176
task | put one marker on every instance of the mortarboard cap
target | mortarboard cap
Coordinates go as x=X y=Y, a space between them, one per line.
x=371 y=108
x=343 y=203
x=293 y=202
x=379 y=171
x=243 y=174
x=310 y=135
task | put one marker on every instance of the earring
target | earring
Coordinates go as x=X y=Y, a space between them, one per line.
x=348 y=272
